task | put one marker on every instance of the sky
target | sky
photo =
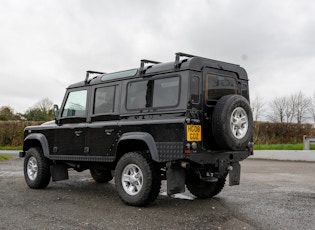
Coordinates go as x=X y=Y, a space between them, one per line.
x=47 y=45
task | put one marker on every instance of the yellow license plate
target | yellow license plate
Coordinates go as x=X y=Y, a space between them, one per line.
x=193 y=132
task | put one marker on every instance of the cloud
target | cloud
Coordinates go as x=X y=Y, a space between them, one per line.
x=47 y=45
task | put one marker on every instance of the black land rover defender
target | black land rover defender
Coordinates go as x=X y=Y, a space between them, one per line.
x=188 y=121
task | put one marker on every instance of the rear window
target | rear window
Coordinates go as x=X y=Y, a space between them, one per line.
x=155 y=93
x=218 y=86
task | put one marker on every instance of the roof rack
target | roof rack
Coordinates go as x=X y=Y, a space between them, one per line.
x=177 y=58
x=143 y=61
x=88 y=72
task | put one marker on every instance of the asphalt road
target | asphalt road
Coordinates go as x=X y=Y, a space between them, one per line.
x=272 y=195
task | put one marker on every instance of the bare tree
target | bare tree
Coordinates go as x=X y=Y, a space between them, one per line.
x=312 y=108
x=292 y=107
x=44 y=105
x=278 y=108
x=258 y=107
x=302 y=107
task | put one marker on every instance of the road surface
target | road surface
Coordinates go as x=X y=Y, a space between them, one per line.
x=272 y=195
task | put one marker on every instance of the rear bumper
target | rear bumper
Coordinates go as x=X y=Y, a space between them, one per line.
x=217 y=157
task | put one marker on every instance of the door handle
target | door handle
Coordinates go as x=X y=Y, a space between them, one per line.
x=77 y=133
x=108 y=132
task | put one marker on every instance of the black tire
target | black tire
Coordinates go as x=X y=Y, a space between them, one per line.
x=232 y=122
x=101 y=176
x=36 y=169
x=137 y=180
x=203 y=189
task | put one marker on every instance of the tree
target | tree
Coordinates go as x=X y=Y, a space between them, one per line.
x=303 y=105
x=7 y=114
x=258 y=107
x=296 y=107
x=41 y=111
x=312 y=108
x=45 y=105
x=278 y=109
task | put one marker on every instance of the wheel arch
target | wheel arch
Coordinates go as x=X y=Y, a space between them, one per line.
x=36 y=140
x=137 y=141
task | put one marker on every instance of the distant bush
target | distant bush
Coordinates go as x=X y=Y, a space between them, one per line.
x=281 y=133
x=265 y=133
x=11 y=132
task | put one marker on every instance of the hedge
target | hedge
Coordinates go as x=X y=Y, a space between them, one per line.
x=11 y=132
x=281 y=133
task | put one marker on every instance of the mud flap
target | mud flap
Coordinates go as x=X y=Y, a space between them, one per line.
x=235 y=174
x=59 y=172
x=175 y=176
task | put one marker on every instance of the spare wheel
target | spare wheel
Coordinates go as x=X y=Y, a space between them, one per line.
x=232 y=122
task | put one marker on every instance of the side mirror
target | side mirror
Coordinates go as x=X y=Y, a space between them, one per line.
x=56 y=112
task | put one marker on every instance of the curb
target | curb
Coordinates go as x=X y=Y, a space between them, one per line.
x=285 y=155
x=10 y=152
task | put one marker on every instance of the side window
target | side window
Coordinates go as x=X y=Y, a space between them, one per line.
x=136 y=96
x=166 y=92
x=104 y=100
x=76 y=104
x=155 y=93
x=194 y=90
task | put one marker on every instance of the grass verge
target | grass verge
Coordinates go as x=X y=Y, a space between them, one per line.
x=11 y=147
x=298 y=146
x=4 y=157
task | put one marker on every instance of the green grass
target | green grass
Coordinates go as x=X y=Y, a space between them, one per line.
x=282 y=147
x=11 y=147
x=4 y=157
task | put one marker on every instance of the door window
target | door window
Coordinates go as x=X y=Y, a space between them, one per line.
x=104 y=100
x=76 y=104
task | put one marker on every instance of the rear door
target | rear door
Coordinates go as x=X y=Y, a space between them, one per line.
x=216 y=84
x=219 y=83
x=102 y=129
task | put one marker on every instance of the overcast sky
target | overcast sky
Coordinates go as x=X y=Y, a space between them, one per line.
x=47 y=45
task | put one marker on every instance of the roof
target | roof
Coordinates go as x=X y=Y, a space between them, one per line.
x=190 y=63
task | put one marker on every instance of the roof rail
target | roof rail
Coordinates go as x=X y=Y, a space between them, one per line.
x=88 y=72
x=143 y=61
x=177 y=58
